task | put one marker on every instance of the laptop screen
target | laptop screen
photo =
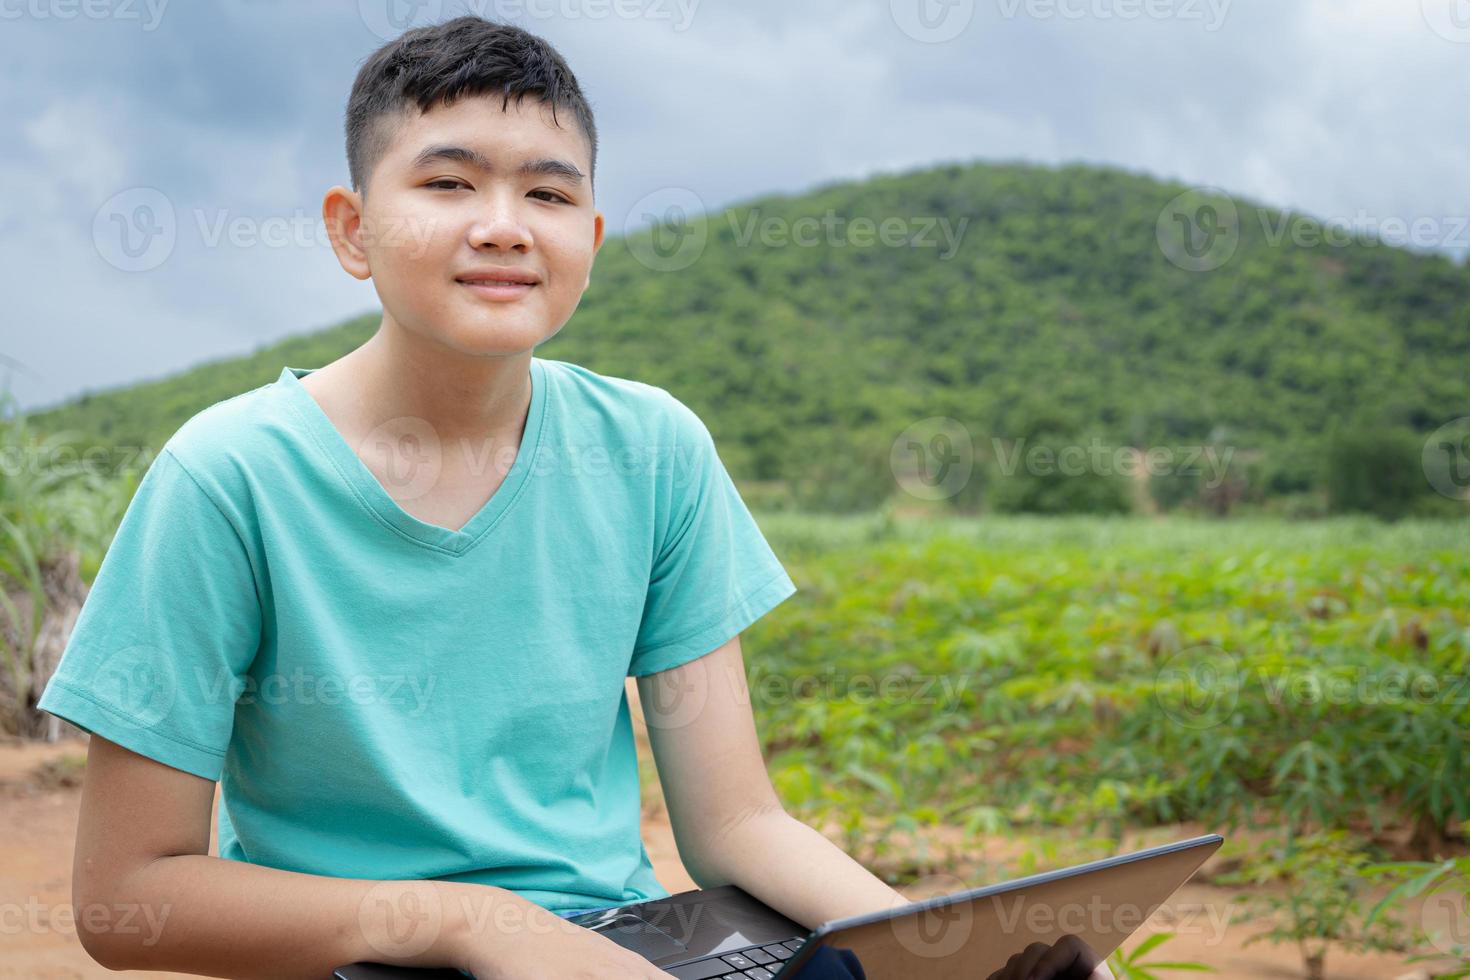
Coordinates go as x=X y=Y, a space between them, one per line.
x=1086 y=912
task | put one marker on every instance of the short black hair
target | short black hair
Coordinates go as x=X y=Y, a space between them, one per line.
x=442 y=63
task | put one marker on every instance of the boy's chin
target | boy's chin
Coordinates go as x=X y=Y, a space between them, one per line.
x=492 y=340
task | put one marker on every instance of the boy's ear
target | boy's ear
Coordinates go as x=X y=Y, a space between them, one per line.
x=342 y=213
x=597 y=230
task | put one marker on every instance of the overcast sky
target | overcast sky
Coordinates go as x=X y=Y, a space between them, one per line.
x=189 y=117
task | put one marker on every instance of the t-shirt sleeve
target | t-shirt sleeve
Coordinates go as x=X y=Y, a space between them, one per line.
x=169 y=628
x=713 y=571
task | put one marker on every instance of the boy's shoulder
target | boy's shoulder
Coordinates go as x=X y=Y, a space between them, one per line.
x=216 y=438
x=648 y=408
x=596 y=384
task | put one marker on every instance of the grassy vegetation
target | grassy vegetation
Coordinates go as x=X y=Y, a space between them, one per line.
x=57 y=516
x=1110 y=673
x=1079 y=677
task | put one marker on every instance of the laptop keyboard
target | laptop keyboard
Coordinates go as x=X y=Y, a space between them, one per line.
x=756 y=963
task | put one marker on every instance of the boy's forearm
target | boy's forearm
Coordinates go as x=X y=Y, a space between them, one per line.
x=795 y=870
x=204 y=915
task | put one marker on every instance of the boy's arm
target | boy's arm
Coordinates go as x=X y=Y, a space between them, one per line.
x=147 y=895
x=729 y=824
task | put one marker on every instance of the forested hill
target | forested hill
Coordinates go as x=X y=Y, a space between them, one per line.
x=1053 y=305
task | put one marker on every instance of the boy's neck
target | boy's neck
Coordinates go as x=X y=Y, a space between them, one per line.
x=396 y=375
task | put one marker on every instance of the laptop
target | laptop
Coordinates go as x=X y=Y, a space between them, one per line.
x=726 y=934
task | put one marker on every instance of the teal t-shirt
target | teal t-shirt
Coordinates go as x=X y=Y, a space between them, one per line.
x=384 y=698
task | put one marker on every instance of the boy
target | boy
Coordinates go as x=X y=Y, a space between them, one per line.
x=391 y=603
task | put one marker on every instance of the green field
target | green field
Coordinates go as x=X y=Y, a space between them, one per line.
x=1011 y=675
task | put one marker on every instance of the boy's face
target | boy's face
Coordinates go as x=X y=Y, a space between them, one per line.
x=432 y=219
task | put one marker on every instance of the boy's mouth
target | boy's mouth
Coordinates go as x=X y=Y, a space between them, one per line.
x=491 y=289
x=500 y=284
x=499 y=274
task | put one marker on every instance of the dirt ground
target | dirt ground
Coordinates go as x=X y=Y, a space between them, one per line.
x=38 y=942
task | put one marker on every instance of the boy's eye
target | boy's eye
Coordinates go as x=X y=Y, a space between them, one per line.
x=451 y=184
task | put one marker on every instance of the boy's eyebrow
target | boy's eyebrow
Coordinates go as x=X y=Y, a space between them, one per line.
x=476 y=159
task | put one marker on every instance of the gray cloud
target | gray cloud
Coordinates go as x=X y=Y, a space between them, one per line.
x=1340 y=108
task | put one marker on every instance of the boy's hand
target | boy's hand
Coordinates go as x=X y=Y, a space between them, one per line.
x=549 y=947
x=1069 y=958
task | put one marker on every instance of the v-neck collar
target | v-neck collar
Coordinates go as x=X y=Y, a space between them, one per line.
x=375 y=497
